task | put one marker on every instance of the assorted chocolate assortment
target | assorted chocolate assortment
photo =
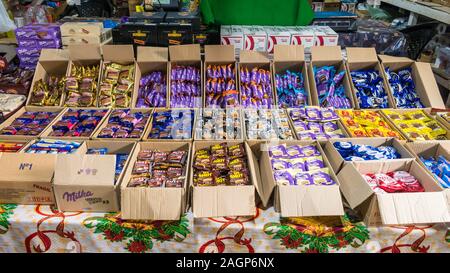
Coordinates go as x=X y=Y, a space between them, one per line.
x=417 y=125
x=366 y=123
x=152 y=90
x=330 y=87
x=221 y=165
x=156 y=169
x=256 y=88
x=361 y=152
x=13 y=79
x=10 y=147
x=49 y=146
x=116 y=85
x=47 y=92
x=440 y=167
x=290 y=88
x=267 y=124
x=172 y=124
x=393 y=182
x=121 y=159
x=29 y=124
x=81 y=86
x=403 y=88
x=370 y=90
x=123 y=123
x=218 y=124
x=78 y=123
x=299 y=165
x=220 y=86
x=315 y=123
x=185 y=87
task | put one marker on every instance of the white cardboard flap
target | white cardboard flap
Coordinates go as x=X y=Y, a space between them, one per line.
x=288 y=53
x=267 y=185
x=24 y=167
x=152 y=54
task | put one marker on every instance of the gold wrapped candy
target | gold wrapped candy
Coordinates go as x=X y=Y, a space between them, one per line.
x=47 y=93
x=116 y=85
x=81 y=86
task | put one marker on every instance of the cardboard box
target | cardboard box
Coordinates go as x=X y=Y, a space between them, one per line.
x=186 y=55
x=423 y=77
x=232 y=35
x=149 y=126
x=277 y=36
x=337 y=161
x=328 y=56
x=442 y=120
x=150 y=59
x=228 y=113
x=393 y=208
x=219 y=55
x=302 y=36
x=87 y=39
x=325 y=36
x=365 y=58
x=262 y=117
x=24 y=109
x=23 y=142
x=81 y=28
x=154 y=203
x=255 y=38
x=136 y=33
x=301 y=200
x=221 y=201
x=86 y=182
x=52 y=62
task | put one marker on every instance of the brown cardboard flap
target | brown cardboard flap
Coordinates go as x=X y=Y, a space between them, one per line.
x=152 y=54
x=219 y=53
x=326 y=53
x=118 y=53
x=24 y=167
x=185 y=52
x=291 y=53
x=255 y=172
x=53 y=54
x=429 y=85
x=361 y=55
x=266 y=185
x=413 y=208
x=393 y=59
x=354 y=188
x=250 y=56
x=84 y=52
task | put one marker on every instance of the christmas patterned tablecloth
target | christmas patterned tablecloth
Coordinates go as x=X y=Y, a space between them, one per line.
x=44 y=229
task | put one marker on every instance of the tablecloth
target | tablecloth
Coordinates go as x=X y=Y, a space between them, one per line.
x=45 y=229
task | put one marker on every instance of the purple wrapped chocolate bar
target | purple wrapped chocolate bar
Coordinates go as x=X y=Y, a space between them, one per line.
x=256 y=88
x=185 y=87
x=221 y=87
x=152 y=90
x=38 y=31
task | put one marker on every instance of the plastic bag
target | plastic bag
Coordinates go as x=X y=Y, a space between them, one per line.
x=6 y=24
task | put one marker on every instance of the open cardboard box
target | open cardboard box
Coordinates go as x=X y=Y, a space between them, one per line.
x=393 y=208
x=221 y=201
x=23 y=142
x=244 y=126
x=24 y=109
x=81 y=28
x=442 y=120
x=337 y=161
x=86 y=182
x=185 y=55
x=52 y=62
x=219 y=55
x=422 y=75
x=199 y=114
x=150 y=125
x=329 y=56
x=145 y=203
x=365 y=58
x=46 y=133
x=151 y=59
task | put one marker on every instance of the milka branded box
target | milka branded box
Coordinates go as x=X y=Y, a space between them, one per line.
x=255 y=38
x=232 y=35
x=277 y=36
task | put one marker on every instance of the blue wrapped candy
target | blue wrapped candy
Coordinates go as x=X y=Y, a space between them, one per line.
x=403 y=88
x=291 y=90
x=329 y=87
x=369 y=89
x=358 y=152
x=440 y=169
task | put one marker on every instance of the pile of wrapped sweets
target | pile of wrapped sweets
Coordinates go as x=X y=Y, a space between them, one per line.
x=314 y=123
x=122 y=123
x=416 y=125
x=152 y=90
x=267 y=124
x=78 y=123
x=369 y=89
x=366 y=123
x=155 y=168
x=290 y=88
x=256 y=88
x=116 y=85
x=393 y=182
x=29 y=124
x=10 y=147
x=220 y=86
x=218 y=124
x=403 y=88
x=49 y=146
x=47 y=92
x=81 y=86
x=121 y=159
x=172 y=124
x=440 y=169
x=221 y=165
x=330 y=87
x=361 y=152
x=15 y=80
x=299 y=165
x=185 y=87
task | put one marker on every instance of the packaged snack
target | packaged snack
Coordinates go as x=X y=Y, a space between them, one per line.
x=256 y=88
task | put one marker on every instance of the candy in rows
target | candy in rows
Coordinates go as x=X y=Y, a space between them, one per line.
x=29 y=124
x=122 y=123
x=172 y=124
x=81 y=86
x=267 y=124
x=217 y=124
x=393 y=182
x=78 y=123
x=221 y=165
x=370 y=90
x=290 y=88
x=359 y=152
x=47 y=92
x=403 y=88
x=154 y=168
x=256 y=88
x=366 y=123
x=185 y=87
x=330 y=87
x=10 y=147
x=440 y=169
x=220 y=86
x=116 y=86
x=152 y=90
x=121 y=159
x=49 y=146
x=417 y=125
x=314 y=123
